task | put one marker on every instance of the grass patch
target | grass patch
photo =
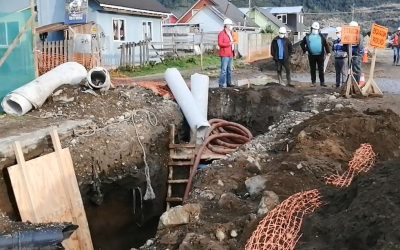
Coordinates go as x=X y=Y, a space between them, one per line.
x=187 y=63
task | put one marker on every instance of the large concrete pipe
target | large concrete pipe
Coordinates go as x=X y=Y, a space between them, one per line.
x=197 y=122
x=199 y=89
x=35 y=93
x=99 y=78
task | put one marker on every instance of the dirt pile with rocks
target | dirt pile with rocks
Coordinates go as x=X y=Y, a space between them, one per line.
x=295 y=155
x=364 y=216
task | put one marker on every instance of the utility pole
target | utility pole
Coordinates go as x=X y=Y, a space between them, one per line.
x=352 y=12
x=249 y=5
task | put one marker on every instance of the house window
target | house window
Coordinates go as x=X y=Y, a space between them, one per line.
x=147 y=30
x=8 y=32
x=119 y=29
x=282 y=18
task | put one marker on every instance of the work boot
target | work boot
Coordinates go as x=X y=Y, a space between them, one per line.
x=323 y=84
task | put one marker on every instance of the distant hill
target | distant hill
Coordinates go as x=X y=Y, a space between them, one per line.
x=314 y=5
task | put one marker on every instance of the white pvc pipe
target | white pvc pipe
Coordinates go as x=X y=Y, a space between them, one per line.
x=199 y=88
x=99 y=78
x=35 y=93
x=185 y=100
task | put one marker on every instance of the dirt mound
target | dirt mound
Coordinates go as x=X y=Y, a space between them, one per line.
x=339 y=133
x=364 y=216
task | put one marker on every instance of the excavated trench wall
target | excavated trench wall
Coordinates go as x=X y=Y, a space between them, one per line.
x=110 y=168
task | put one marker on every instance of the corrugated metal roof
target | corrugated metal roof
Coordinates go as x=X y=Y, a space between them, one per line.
x=284 y=10
x=147 y=5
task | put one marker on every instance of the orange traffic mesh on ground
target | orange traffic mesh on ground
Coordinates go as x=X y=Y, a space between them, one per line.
x=280 y=229
x=363 y=160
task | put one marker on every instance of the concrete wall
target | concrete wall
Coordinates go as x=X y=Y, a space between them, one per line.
x=208 y=20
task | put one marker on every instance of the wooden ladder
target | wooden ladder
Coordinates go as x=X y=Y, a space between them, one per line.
x=179 y=169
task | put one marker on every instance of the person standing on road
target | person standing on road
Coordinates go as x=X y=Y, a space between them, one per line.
x=357 y=52
x=226 y=52
x=340 y=53
x=281 y=51
x=316 y=46
x=396 y=47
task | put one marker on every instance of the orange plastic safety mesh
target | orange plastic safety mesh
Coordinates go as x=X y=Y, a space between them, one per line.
x=280 y=229
x=47 y=62
x=363 y=160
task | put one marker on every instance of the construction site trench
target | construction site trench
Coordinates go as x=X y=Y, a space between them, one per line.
x=292 y=125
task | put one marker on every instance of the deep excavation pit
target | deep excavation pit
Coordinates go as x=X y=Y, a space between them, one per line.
x=111 y=174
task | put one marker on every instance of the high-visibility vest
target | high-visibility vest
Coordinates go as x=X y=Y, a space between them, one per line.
x=235 y=37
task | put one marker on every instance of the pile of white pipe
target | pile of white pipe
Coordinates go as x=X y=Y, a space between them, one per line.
x=35 y=93
x=194 y=103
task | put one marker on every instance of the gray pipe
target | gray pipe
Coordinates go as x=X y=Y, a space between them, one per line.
x=35 y=238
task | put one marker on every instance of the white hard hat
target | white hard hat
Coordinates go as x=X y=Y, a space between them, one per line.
x=315 y=25
x=228 y=22
x=353 y=24
x=398 y=29
x=338 y=29
x=282 y=30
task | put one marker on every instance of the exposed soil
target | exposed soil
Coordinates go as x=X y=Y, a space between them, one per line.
x=364 y=216
x=320 y=146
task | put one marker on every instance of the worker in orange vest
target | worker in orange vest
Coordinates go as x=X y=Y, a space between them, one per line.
x=235 y=36
x=396 y=47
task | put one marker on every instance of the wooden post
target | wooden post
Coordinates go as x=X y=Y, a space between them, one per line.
x=133 y=55
x=147 y=52
x=371 y=88
x=352 y=87
x=201 y=51
x=141 y=53
x=35 y=59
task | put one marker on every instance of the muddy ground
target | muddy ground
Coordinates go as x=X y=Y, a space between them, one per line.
x=290 y=161
x=302 y=134
x=364 y=216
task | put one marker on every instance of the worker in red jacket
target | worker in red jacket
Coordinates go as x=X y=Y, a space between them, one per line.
x=226 y=52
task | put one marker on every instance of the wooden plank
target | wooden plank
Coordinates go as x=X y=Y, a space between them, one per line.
x=178 y=181
x=54 y=192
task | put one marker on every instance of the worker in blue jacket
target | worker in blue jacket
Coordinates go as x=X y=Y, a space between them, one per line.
x=340 y=52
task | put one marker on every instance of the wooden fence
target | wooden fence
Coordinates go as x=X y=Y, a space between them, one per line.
x=134 y=54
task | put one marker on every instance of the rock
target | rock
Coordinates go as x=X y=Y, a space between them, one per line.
x=268 y=202
x=149 y=242
x=299 y=166
x=302 y=135
x=207 y=194
x=339 y=106
x=327 y=110
x=220 y=234
x=253 y=168
x=234 y=234
x=332 y=98
x=220 y=183
x=180 y=215
x=121 y=118
x=315 y=112
x=229 y=201
x=255 y=185
x=111 y=120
